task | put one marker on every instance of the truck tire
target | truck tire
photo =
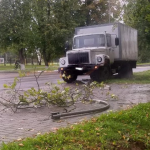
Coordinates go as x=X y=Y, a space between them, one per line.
x=101 y=74
x=68 y=76
x=126 y=71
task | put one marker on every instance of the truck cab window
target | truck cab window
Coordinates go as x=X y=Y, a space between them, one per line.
x=108 y=37
x=101 y=40
x=89 y=42
x=94 y=40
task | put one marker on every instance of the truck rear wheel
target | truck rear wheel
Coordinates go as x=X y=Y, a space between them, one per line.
x=126 y=71
x=101 y=74
x=68 y=76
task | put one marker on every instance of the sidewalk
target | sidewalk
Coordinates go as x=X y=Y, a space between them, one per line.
x=32 y=122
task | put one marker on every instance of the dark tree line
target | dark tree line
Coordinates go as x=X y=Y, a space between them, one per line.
x=33 y=26
x=137 y=15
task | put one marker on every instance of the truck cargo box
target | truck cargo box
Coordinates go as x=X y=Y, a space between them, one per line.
x=127 y=49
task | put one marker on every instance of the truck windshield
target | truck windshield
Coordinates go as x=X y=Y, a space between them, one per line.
x=95 y=40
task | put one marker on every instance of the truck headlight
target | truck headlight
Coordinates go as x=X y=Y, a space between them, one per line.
x=62 y=61
x=99 y=59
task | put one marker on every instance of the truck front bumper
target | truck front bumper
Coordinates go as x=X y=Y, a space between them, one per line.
x=80 y=69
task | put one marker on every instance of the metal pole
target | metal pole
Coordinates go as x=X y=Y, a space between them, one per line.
x=57 y=115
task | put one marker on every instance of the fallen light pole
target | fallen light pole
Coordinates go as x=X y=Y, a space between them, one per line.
x=57 y=115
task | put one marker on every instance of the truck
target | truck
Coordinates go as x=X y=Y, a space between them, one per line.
x=100 y=51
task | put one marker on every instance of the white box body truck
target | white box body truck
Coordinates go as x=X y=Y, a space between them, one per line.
x=100 y=51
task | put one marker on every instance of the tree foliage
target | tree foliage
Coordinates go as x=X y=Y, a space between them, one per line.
x=14 y=25
x=137 y=15
x=28 y=25
x=98 y=11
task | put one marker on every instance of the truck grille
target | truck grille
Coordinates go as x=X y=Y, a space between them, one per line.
x=78 y=58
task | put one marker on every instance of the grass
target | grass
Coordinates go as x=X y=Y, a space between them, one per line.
x=141 y=64
x=123 y=130
x=29 y=67
x=138 y=78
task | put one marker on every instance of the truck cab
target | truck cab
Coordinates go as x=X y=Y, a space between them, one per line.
x=99 y=43
x=89 y=52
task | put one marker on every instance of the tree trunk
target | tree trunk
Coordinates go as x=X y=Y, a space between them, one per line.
x=39 y=59
x=5 y=59
x=32 y=60
x=45 y=58
x=40 y=62
x=22 y=58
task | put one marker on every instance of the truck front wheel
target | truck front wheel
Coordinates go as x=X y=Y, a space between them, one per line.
x=101 y=74
x=68 y=76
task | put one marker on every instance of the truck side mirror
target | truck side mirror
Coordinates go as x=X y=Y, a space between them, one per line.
x=116 y=41
x=66 y=46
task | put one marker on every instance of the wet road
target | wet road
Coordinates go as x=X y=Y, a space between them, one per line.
x=29 y=81
x=141 y=69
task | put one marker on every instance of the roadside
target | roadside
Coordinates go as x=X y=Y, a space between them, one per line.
x=28 y=68
x=143 y=64
x=27 y=73
x=52 y=70
x=124 y=130
x=52 y=67
x=35 y=121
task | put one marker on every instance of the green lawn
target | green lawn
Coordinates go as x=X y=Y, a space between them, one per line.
x=138 y=78
x=141 y=64
x=29 y=67
x=123 y=130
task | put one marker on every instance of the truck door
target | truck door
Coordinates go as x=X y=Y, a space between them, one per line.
x=110 y=50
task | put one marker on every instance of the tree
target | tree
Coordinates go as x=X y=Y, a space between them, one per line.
x=53 y=23
x=99 y=11
x=15 y=19
x=31 y=25
x=137 y=15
